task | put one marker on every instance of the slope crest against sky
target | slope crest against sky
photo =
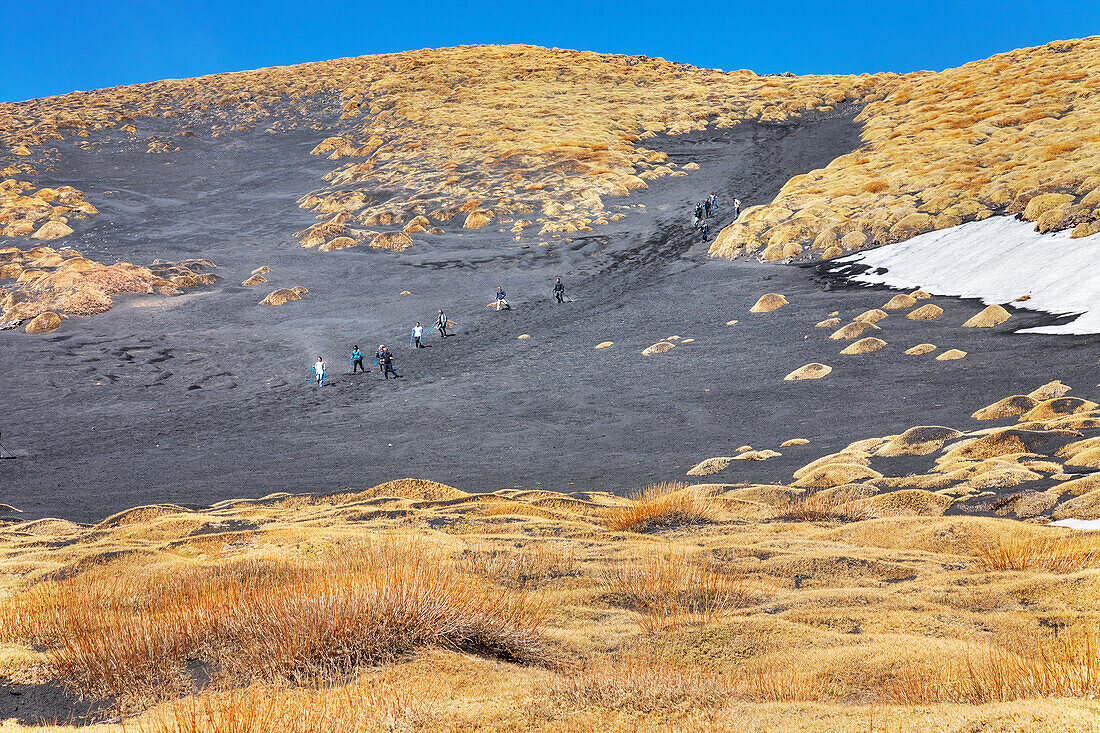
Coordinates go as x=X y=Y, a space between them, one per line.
x=103 y=44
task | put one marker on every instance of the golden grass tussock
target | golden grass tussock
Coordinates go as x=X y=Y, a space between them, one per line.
x=67 y=283
x=280 y=296
x=367 y=703
x=836 y=474
x=910 y=502
x=1058 y=407
x=256 y=279
x=951 y=355
x=920 y=349
x=1059 y=553
x=604 y=345
x=864 y=346
x=793 y=442
x=813 y=370
x=44 y=323
x=918 y=441
x=669 y=589
x=710 y=466
x=661 y=347
x=927 y=312
x=662 y=505
x=872 y=316
x=276 y=620
x=826 y=506
x=991 y=316
x=1049 y=391
x=853 y=330
x=900 y=302
x=828 y=323
x=769 y=302
x=1008 y=407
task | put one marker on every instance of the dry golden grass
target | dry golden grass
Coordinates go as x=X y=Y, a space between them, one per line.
x=107 y=637
x=665 y=504
x=1010 y=134
x=66 y=282
x=711 y=626
x=1056 y=554
x=826 y=506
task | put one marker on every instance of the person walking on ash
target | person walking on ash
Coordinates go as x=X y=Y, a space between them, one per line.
x=357 y=361
x=417 y=335
x=501 y=302
x=441 y=324
x=559 y=291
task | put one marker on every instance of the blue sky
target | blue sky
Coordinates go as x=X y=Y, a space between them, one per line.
x=52 y=48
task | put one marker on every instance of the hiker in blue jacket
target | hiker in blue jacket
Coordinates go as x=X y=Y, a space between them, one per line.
x=501 y=302
x=357 y=360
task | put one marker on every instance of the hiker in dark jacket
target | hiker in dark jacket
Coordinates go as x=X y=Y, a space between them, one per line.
x=441 y=323
x=559 y=291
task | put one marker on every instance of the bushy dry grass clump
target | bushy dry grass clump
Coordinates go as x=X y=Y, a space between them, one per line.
x=518 y=567
x=365 y=704
x=670 y=589
x=826 y=506
x=665 y=504
x=272 y=619
x=638 y=683
x=1062 y=554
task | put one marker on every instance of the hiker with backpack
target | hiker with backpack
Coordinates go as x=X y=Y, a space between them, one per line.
x=441 y=323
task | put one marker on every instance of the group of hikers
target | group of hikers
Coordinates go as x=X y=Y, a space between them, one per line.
x=384 y=357
x=707 y=209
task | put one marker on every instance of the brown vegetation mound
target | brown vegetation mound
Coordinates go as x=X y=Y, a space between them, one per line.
x=864 y=346
x=927 y=312
x=920 y=349
x=813 y=370
x=279 y=297
x=768 y=303
x=993 y=315
x=44 y=323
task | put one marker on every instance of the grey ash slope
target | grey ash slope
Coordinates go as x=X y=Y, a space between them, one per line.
x=203 y=397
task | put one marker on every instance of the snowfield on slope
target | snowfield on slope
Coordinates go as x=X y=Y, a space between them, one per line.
x=997 y=260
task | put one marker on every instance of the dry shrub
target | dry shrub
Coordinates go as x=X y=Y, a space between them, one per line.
x=666 y=591
x=111 y=634
x=517 y=567
x=826 y=506
x=366 y=704
x=665 y=504
x=1066 y=665
x=638 y=684
x=1066 y=554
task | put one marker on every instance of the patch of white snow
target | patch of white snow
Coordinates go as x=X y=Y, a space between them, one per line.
x=1077 y=523
x=997 y=261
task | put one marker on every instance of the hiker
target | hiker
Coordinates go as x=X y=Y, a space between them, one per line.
x=706 y=208
x=318 y=374
x=559 y=291
x=699 y=212
x=706 y=231
x=736 y=208
x=441 y=323
x=387 y=364
x=695 y=220
x=357 y=360
x=417 y=335
x=500 y=299
x=714 y=202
